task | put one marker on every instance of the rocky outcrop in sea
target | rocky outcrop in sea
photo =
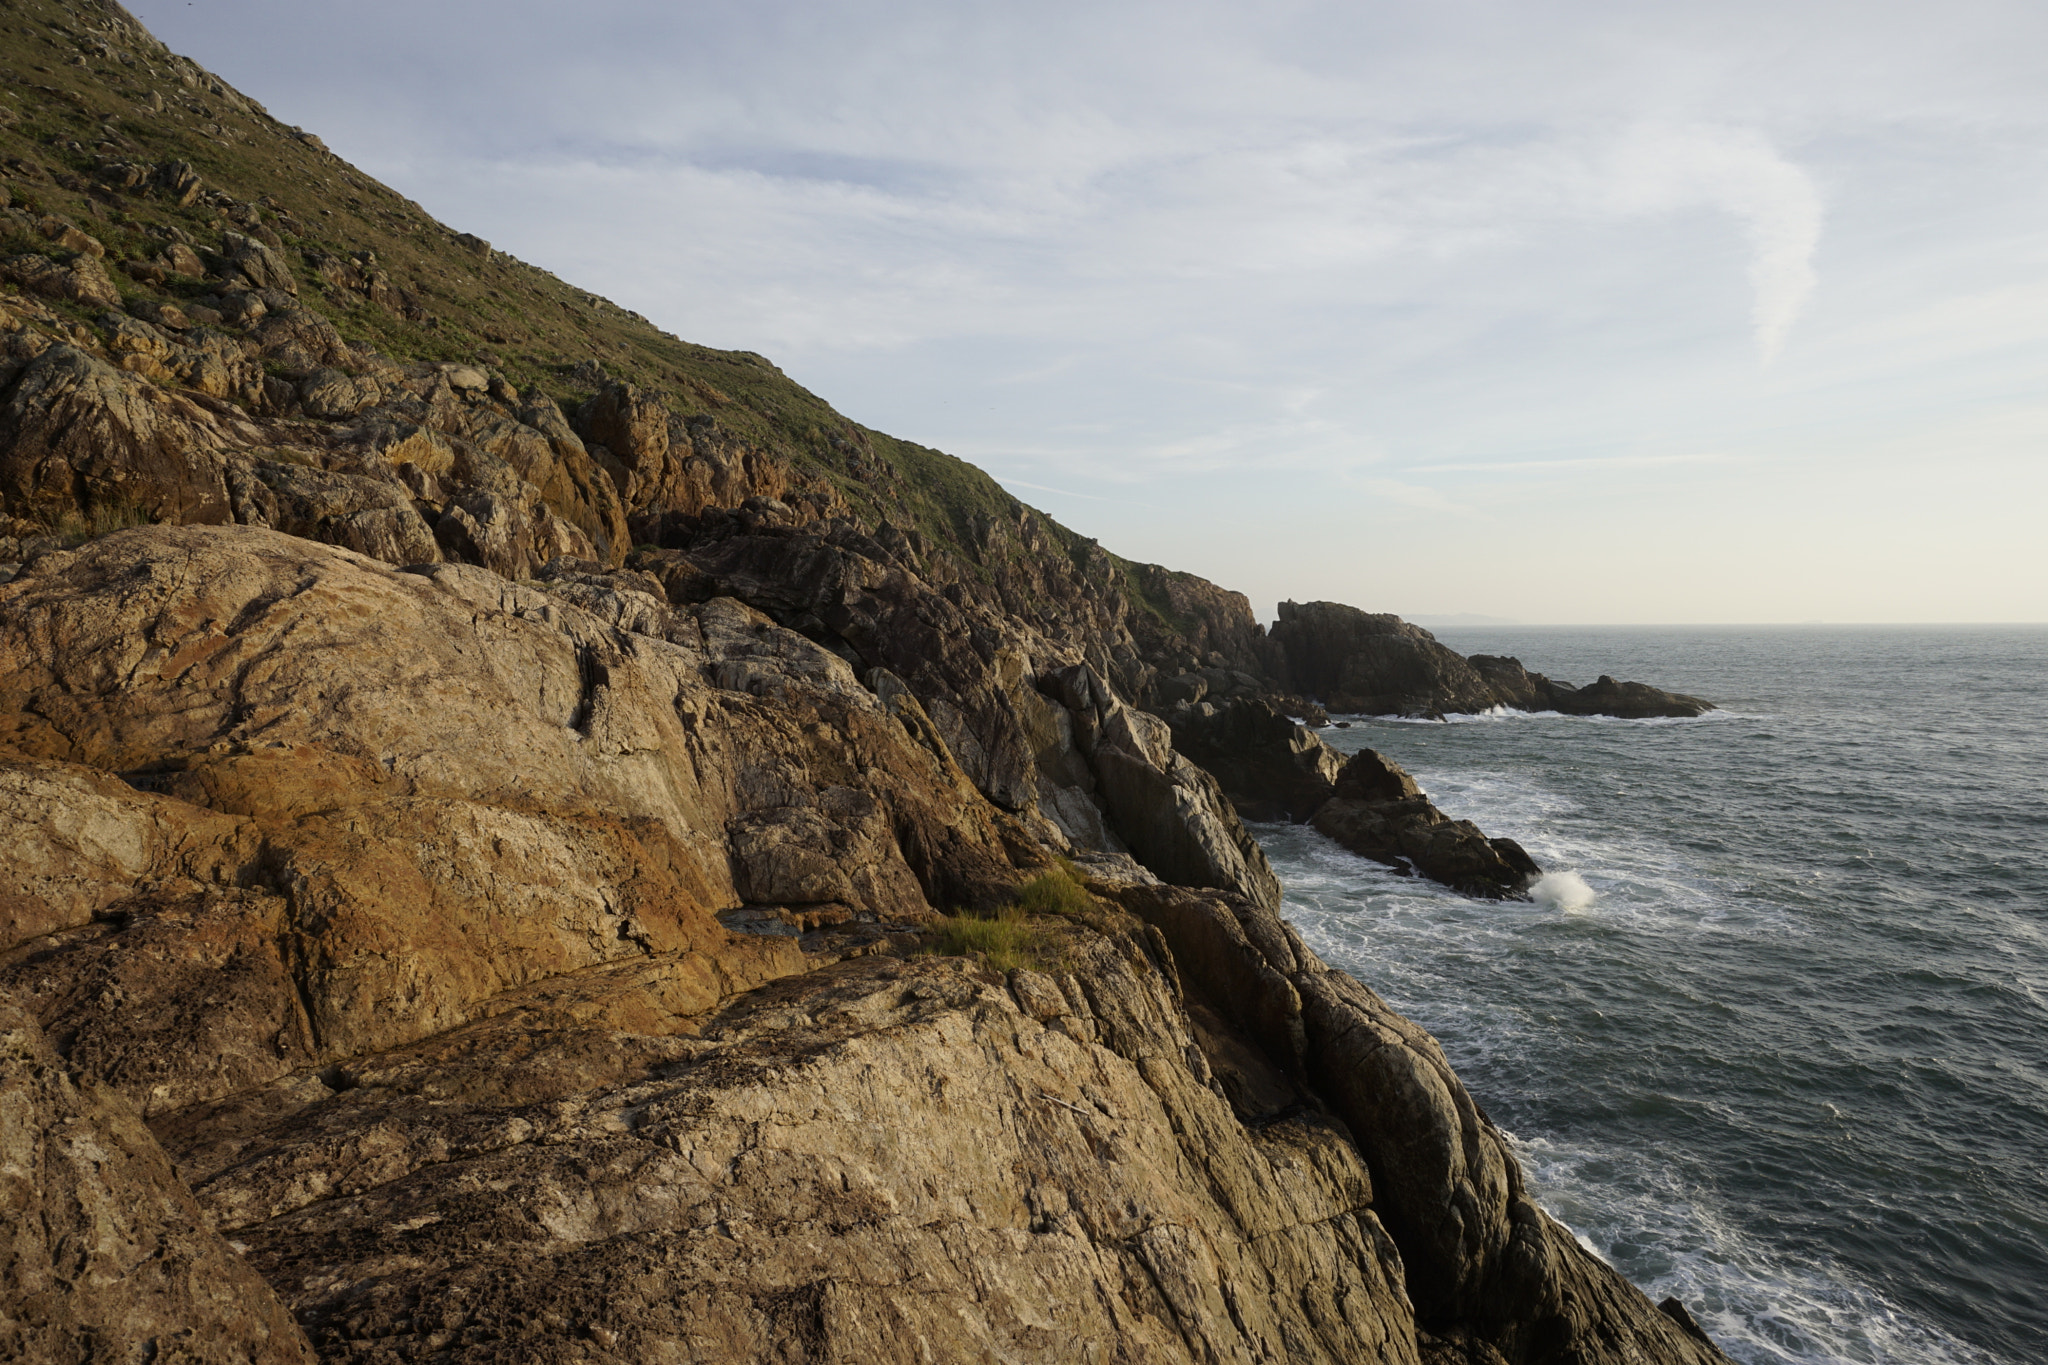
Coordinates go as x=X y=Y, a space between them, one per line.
x=1375 y=664
x=517 y=857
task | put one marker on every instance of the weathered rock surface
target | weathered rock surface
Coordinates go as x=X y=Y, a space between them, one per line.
x=1274 y=768
x=1372 y=663
x=498 y=925
x=105 y=1254
x=1603 y=697
x=1032 y=722
x=392 y=899
x=1490 y=1275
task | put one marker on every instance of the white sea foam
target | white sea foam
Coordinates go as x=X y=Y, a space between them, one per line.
x=1566 y=891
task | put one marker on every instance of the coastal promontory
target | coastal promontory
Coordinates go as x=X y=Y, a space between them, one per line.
x=530 y=839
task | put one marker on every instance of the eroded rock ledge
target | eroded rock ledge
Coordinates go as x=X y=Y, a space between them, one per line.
x=390 y=901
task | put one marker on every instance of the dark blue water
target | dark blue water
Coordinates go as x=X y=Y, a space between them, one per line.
x=1779 y=1042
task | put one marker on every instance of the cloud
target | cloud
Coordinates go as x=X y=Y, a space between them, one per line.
x=1738 y=172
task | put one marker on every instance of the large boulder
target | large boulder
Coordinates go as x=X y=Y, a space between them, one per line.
x=1372 y=663
x=1271 y=767
x=1376 y=664
x=259 y=264
x=1605 y=697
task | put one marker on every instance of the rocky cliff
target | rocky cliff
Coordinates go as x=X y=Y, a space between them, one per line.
x=529 y=839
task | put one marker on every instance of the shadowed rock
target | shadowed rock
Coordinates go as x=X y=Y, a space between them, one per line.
x=1375 y=664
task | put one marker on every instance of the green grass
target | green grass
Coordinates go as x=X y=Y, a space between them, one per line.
x=1029 y=932
x=1058 y=892
x=1004 y=941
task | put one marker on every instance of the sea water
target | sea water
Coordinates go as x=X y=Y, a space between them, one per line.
x=1772 y=1035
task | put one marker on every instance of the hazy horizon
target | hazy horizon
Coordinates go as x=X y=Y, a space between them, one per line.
x=1604 y=315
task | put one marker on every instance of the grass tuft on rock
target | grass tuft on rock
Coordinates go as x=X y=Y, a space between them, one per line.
x=1057 y=892
x=1004 y=940
x=1029 y=932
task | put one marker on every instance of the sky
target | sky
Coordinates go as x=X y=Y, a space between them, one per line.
x=1567 y=312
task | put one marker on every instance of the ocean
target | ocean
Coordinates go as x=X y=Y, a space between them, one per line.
x=1773 y=1036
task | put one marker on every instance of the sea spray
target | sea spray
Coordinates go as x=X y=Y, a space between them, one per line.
x=1565 y=891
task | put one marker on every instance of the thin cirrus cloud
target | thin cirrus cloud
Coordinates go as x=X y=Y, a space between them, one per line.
x=1171 y=268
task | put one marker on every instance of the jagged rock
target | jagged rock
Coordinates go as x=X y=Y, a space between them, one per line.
x=880 y=1156
x=336 y=396
x=1377 y=811
x=182 y=183
x=243 y=307
x=1271 y=767
x=1352 y=660
x=1606 y=697
x=301 y=340
x=1482 y=1261
x=667 y=464
x=76 y=434
x=257 y=262
x=1034 y=740
x=69 y=236
x=1171 y=813
x=162 y=314
x=495 y=833
x=371 y=516
x=83 y=281
x=401 y=900
x=508 y=535
x=180 y=259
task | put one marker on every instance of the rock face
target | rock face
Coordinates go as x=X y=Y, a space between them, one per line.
x=391 y=900
x=106 y=1252
x=1375 y=664
x=481 y=825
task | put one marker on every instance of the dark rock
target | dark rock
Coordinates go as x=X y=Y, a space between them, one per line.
x=1357 y=661
x=1351 y=660
x=1271 y=767
x=1606 y=697
x=1378 y=812
x=1484 y=1265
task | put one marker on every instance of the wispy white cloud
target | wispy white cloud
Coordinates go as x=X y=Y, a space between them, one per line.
x=1261 y=260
